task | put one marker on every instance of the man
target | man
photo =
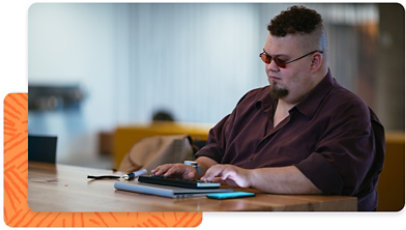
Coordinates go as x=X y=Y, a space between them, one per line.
x=302 y=134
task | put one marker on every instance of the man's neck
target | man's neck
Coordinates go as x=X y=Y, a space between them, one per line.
x=290 y=101
x=282 y=111
x=285 y=106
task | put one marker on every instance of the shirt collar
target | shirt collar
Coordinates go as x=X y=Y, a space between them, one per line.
x=310 y=104
x=264 y=100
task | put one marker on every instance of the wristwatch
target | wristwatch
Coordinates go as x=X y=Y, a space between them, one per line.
x=195 y=165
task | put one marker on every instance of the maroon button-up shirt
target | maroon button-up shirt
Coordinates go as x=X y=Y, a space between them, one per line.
x=328 y=137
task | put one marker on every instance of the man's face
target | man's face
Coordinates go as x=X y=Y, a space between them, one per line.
x=294 y=81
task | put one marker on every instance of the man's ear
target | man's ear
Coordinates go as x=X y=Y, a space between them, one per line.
x=317 y=59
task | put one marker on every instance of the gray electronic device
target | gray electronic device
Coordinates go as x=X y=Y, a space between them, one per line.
x=166 y=191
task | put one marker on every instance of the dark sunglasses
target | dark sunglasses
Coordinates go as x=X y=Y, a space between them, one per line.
x=266 y=58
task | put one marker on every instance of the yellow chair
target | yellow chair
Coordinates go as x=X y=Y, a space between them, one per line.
x=391 y=184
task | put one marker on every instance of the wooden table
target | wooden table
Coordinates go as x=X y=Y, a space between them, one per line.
x=66 y=188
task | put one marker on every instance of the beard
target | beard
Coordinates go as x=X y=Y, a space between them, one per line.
x=277 y=92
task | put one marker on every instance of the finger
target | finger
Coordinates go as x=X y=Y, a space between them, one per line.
x=231 y=183
x=212 y=172
x=175 y=169
x=169 y=172
x=189 y=174
x=161 y=169
x=217 y=180
x=228 y=173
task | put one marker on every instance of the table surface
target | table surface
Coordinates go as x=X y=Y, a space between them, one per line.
x=66 y=188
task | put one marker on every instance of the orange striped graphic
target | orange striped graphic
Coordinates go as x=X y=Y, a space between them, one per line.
x=16 y=210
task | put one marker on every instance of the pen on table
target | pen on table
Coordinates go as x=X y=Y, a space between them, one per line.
x=128 y=176
x=132 y=175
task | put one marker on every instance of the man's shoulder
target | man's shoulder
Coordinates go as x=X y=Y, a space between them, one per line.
x=344 y=98
x=344 y=93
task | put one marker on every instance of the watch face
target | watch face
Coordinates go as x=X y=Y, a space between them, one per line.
x=190 y=163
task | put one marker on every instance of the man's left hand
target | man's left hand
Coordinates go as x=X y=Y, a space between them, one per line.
x=230 y=174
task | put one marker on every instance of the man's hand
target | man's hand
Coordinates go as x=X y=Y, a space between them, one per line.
x=182 y=170
x=230 y=174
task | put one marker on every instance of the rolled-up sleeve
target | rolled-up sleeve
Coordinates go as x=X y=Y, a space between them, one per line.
x=215 y=146
x=344 y=154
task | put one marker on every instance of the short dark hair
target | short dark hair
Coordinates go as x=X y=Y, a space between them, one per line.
x=296 y=19
x=162 y=115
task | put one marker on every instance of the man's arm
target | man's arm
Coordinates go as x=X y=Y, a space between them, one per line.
x=286 y=180
x=282 y=180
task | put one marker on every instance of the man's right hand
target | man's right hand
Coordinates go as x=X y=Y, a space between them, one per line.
x=181 y=170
